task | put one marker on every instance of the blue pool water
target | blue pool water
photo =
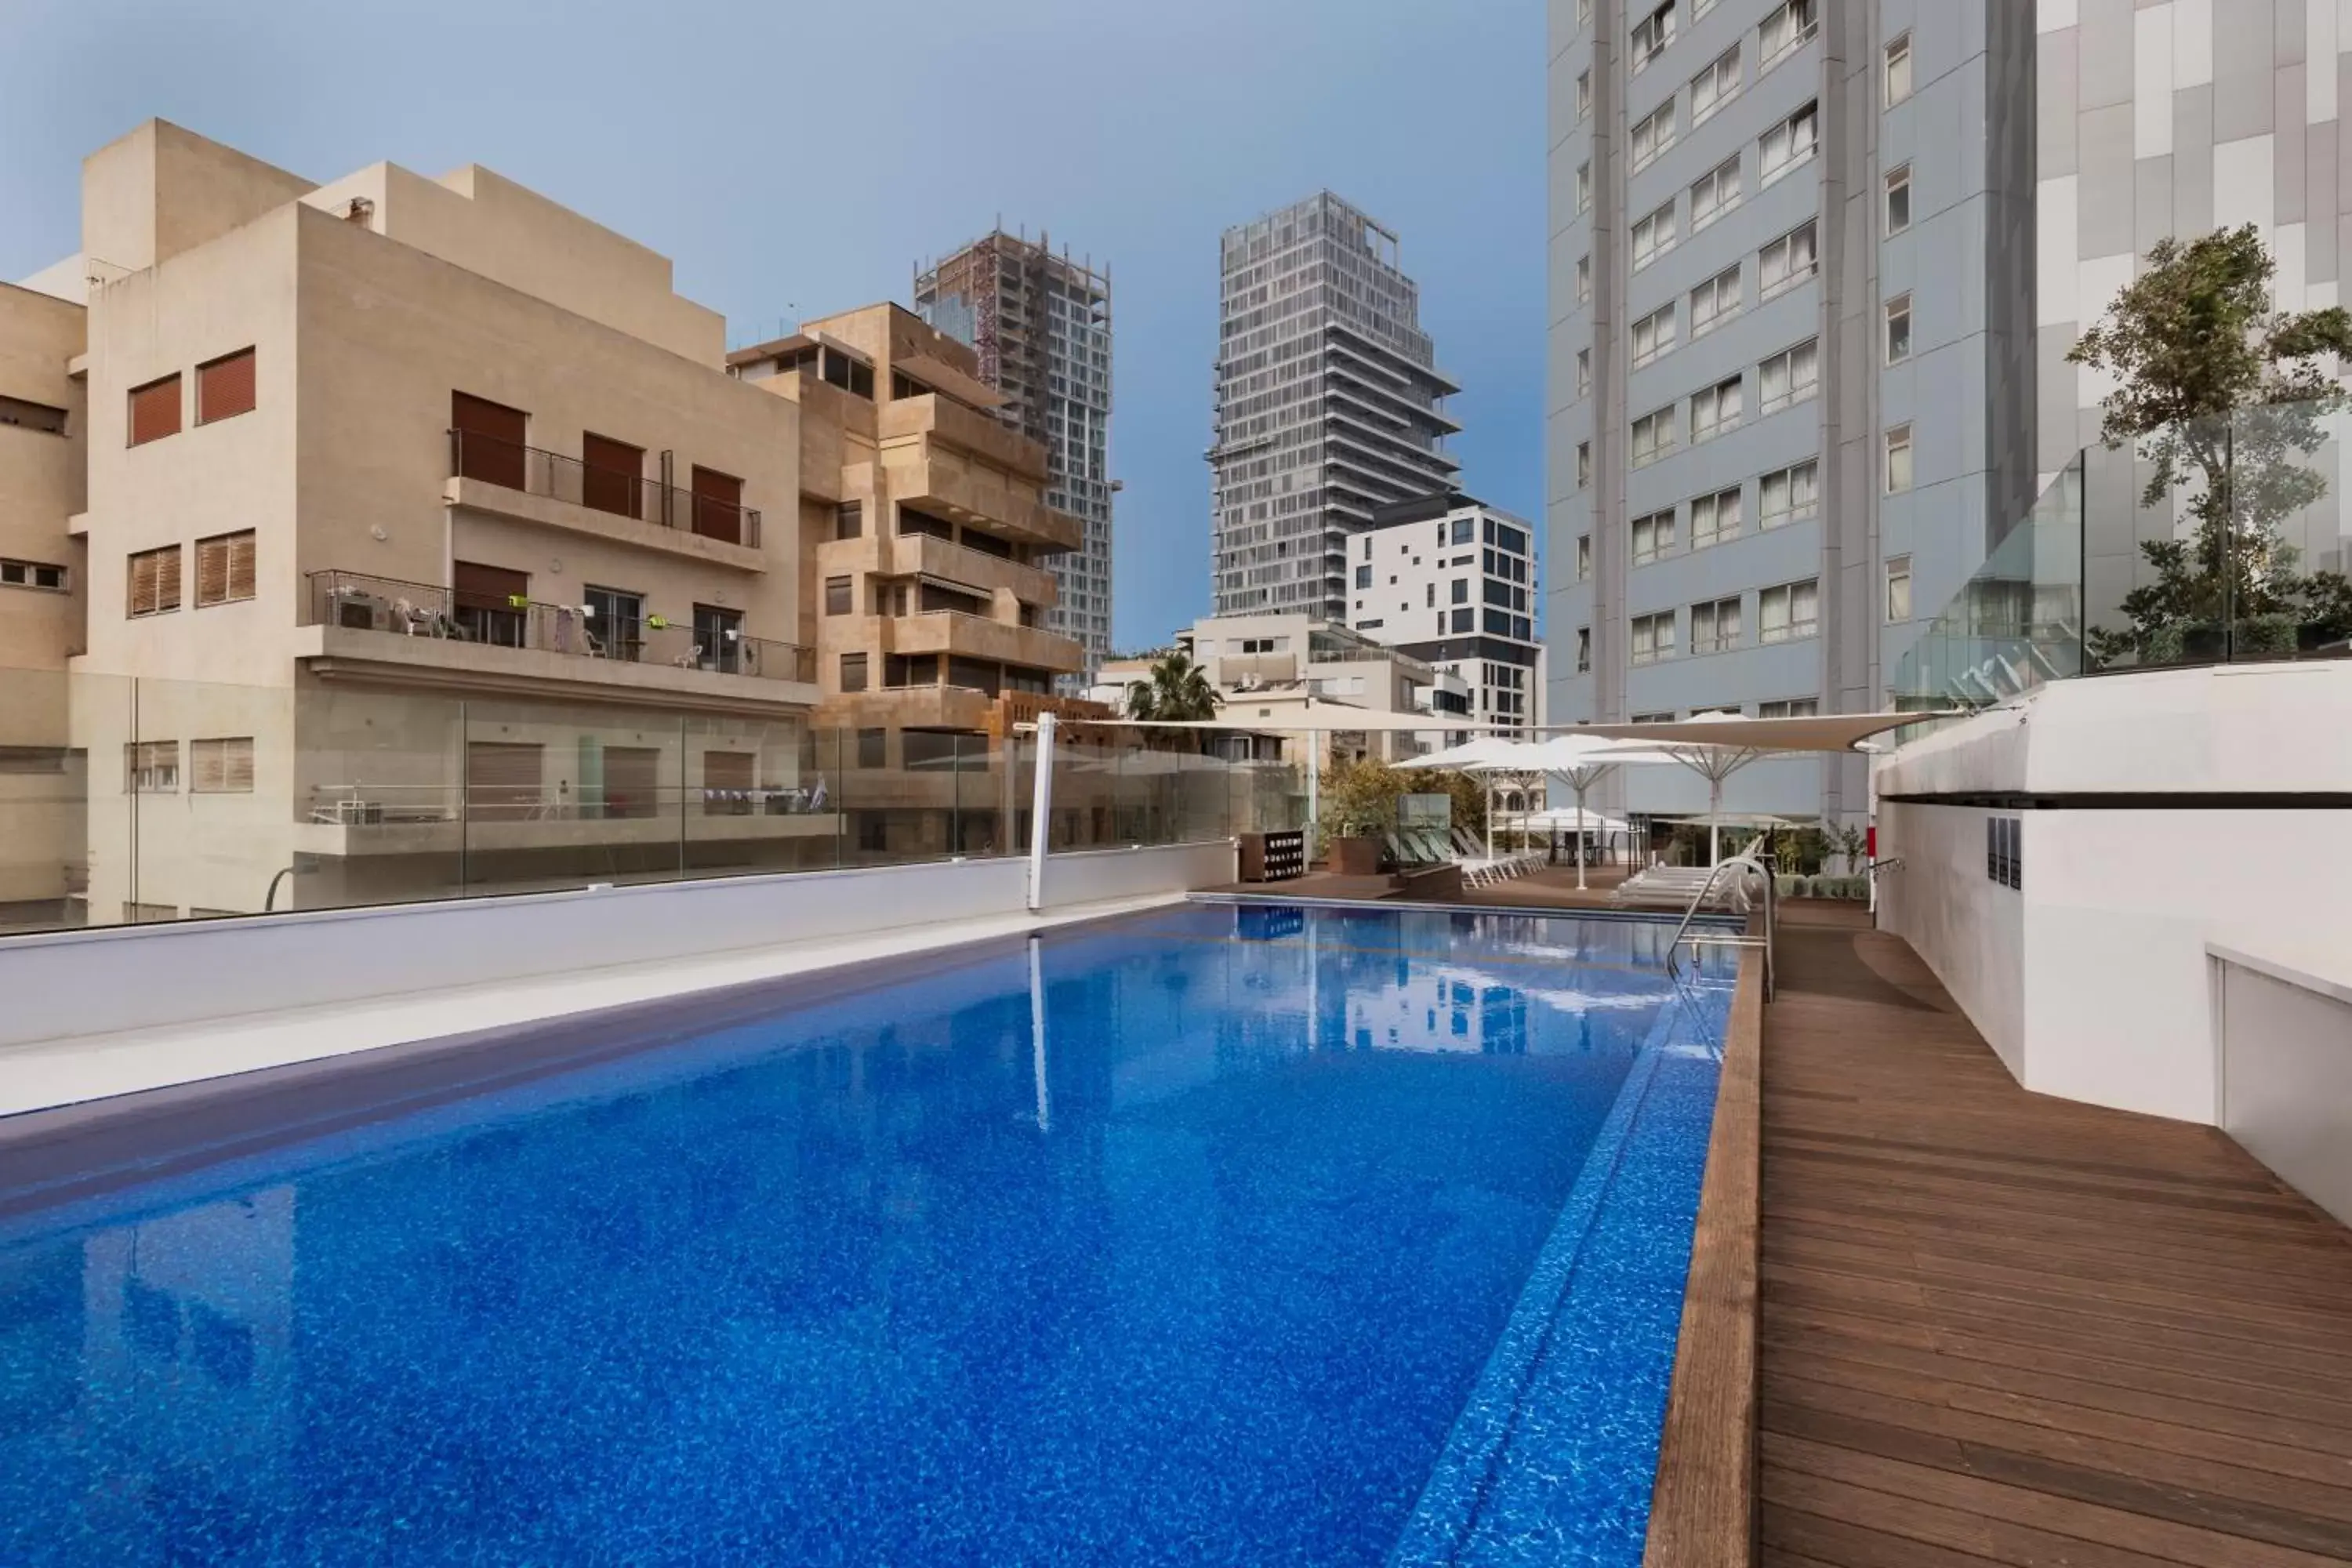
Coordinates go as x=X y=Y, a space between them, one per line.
x=1226 y=1234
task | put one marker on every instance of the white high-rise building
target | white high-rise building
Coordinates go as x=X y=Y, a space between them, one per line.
x=1329 y=404
x=1452 y=582
x=1041 y=324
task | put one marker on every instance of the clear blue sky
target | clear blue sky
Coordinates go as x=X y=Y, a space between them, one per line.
x=796 y=157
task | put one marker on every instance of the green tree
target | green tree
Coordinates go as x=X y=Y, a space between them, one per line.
x=2216 y=388
x=1177 y=692
x=1359 y=798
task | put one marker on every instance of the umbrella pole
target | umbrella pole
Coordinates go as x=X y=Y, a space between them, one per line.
x=1714 y=820
x=1580 y=838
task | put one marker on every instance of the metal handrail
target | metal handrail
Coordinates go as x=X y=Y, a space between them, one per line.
x=1764 y=872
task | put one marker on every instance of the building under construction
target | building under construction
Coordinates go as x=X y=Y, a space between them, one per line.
x=1041 y=324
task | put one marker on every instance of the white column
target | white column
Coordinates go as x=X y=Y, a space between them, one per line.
x=1041 y=810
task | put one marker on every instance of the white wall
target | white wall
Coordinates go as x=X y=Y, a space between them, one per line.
x=91 y=983
x=2285 y=1079
x=2092 y=982
x=1096 y=875
x=1967 y=928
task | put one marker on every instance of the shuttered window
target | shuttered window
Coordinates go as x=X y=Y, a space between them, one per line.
x=502 y=780
x=154 y=581
x=151 y=767
x=224 y=568
x=611 y=474
x=36 y=416
x=154 y=410
x=221 y=766
x=480 y=587
x=718 y=505
x=632 y=781
x=489 y=440
x=224 y=388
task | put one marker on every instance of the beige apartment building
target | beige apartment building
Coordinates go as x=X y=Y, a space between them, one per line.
x=926 y=533
x=398 y=536
x=418 y=540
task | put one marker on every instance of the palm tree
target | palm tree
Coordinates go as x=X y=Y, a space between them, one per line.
x=1178 y=691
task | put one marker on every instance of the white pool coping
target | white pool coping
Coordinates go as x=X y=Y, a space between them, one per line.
x=43 y=1075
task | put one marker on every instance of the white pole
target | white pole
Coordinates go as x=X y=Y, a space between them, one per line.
x=1714 y=811
x=1490 y=815
x=1041 y=810
x=1577 y=779
x=1313 y=800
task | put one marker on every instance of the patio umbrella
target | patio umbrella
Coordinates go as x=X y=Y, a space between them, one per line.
x=1581 y=760
x=1488 y=755
x=1714 y=761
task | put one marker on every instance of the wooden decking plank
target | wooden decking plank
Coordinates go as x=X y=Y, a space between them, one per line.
x=1996 y=1326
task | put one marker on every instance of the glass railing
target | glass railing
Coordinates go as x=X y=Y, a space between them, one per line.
x=2221 y=540
x=129 y=800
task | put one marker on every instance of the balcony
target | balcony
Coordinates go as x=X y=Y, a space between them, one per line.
x=977 y=637
x=915 y=554
x=423 y=632
x=963 y=465
x=526 y=484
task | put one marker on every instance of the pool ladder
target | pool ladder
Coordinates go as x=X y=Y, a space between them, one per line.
x=1746 y=865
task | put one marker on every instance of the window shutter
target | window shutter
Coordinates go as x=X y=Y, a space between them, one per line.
x=212 y=571
x=167 y=578
x=718 y=505
x=480 y=587
x=204 y=765
x=240 y=564
x=489 y=440
x=141 y=599
x=155 y=410
x=238 y=766
x=224 y=388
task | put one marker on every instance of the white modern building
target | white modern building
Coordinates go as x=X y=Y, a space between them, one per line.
x=1328 y=405
x=1452 y=582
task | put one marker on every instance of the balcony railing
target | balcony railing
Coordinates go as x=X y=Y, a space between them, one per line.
x=364 y=603
x=474 y=456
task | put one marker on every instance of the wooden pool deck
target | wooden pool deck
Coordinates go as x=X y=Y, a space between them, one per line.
x=2000 y=1328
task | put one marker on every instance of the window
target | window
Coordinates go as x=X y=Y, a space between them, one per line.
x=1787 y=261
x=2004 y=850
x=1788 y=612
x=1460 y=592
x=1583 y=464
x=1898 y=200
x=1654 y=435
x=1788 y=495
x=1898 y=589
x=840 y=596
x=1583 y=557
x=1898 y=460
x=1787 y=26
x=1653 y=236
x=849 y=519
x=1364 y=576
x=1653 y=134
x=1583 y=372
x=155 y=410
x=1584 y=650
x=1652 y=536
x=224 y=568
x=612 y=476
x=1583 y=280
x=224 y=388
x=154 y=581
x=873 y=749
x=853 y=376
x=32 y=574
x=1652 y=34
x=1714 y=518
x=1651 y=719
x=1583 y=94
x=1465 y=530
x=718 y=638
x=1789 y=376
x=223 y=766
x=1789 y=708
x=1898 y=329
x=1898 y=70
x=1652 y=636
x=38 y=418
x=1713 y=410
x=493 y=603
x=1714 y=299
x=1465 y=620
x=719 y=504
x=1715 y=192
x=1654 y=334
x=853 y=672
x=1714 y=625
x=1584 y=187
x=1787 y=144
x=1715 y=86
x=151 y=767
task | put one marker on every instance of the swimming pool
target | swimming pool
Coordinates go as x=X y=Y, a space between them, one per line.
x=1227 y=1232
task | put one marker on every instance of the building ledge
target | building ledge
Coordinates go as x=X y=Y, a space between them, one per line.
x=569 y=517
x=449 y=665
